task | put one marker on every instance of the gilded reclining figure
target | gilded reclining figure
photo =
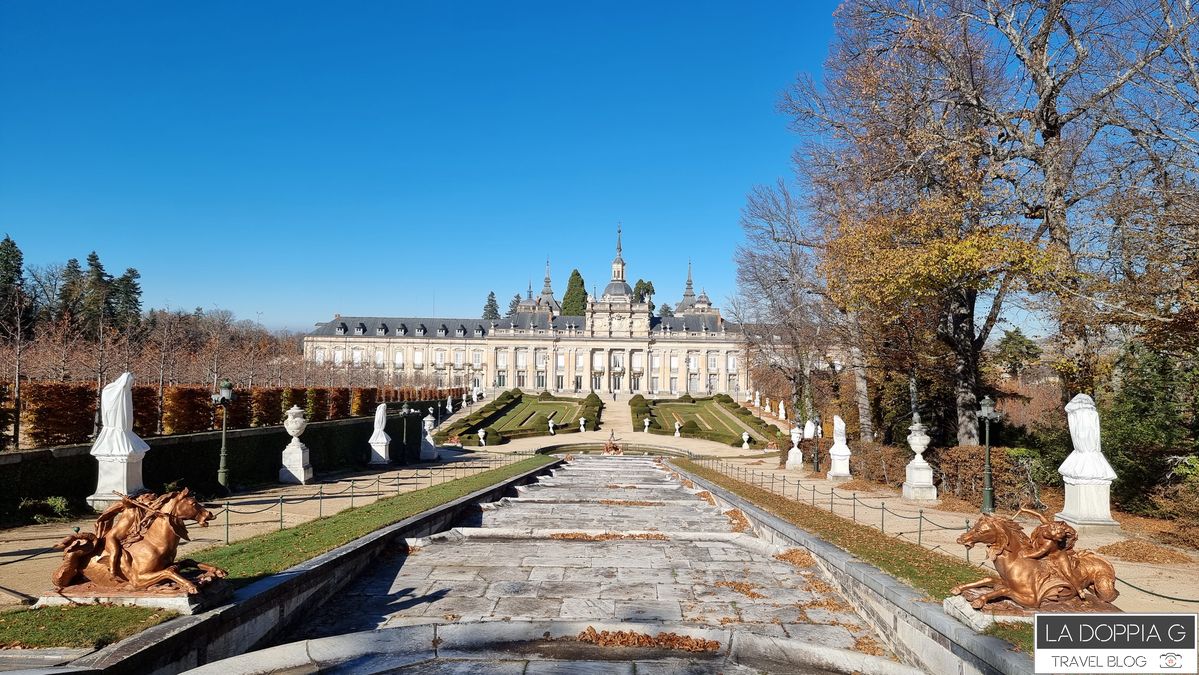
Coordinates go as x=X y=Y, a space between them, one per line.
x=1042 y=568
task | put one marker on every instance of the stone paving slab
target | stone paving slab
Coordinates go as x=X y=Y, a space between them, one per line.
x=536 y=559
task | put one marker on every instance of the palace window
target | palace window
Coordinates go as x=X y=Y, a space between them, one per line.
x=341 y=329
x=443 y=331
x=356 y=356
x=478 y=331
x=439 y=358
x=461 y=332
x=338 y=357
x=712 y=360
x=459 y=357
x=381 y=330
x=653 y=384
x=540 y=381
x=522 y=359
x=674 y=385
x=638 y=361
x=539 y=359
x=501 y=379
x=399 y=359
x=732 y=362
x=319 y=356
x=597 y=361
x=692 y=363
x=501 y=359
x=380 y=358
x=578 y=383
x=561 y=363
x=420 y=330
x=732 y=386
x=360 y=329
x=655 y=362
x=558 y=382
x=618 y=360
x=418 y=358
x=476 y=358
x=674 y=366
x=580 y=360
x=520 y=378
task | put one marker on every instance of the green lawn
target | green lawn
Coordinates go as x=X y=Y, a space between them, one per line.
x=707 y=414
x=928 y=571
x=517 y=419
x=246 y=561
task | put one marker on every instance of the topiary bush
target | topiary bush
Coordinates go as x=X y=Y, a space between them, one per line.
x=494 y=437
x=686 y=398
x=545 y=396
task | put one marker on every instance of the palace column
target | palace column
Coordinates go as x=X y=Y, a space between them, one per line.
x=723 y=372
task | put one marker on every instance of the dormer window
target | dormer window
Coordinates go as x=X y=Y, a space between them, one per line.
x=478 y=331
x=401 y=329
x=461 y=331
x=341 y=329
x=360 y=329
x=443 y=331
x=420 y=330
x=381 y=329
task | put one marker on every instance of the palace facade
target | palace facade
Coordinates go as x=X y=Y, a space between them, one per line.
x=616 y=347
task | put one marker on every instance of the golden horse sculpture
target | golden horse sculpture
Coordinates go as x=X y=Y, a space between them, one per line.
x=134 y=545
x=1037 y=569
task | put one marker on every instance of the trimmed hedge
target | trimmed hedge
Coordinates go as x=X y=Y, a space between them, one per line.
x=186 y=410
x=57 y=413
x=266 y=406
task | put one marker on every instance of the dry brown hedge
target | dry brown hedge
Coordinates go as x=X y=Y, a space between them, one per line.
x=186 y=410
x=145 y=410
x=363 y=401
x=57 y=413
x=317 y=405
x=266 y=406
x=961 y=469
x=339 y=403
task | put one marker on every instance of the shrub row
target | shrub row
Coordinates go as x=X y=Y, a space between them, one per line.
x=63 y=413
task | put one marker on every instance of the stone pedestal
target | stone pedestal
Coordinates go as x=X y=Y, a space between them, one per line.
x=428 y=451
x=794 y=458
x=380 y=452
x=296 y=468
x=919 y=484
x=1088 y=507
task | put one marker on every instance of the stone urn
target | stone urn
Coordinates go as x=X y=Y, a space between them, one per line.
x=745 y=440
x=295 y=424
x=296 y=467
x=677 y=428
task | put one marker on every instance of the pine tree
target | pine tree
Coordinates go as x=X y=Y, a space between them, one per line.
x=513 y=306
x=12 y=278
x=97 y=293
x=574 y=302
x=1015 y=351
x=491 y=310
x=665 y=311
x=644 y=291
x=126 y=295
x=70 y=291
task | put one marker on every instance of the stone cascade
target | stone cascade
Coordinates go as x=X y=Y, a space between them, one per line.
x=601 y=540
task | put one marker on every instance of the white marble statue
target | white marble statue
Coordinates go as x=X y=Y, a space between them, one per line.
x=552 y=425
x=795 y=455
x=380 y=441
x=782 y=412
x=449 y=405
x=745 y=440
x=919 y=473
x=757 y=399
x=582 y=424
x=677 y=428
x=483 y=437
x=809 y=429
x=749 y=396
x=646 y=423
x=768 y=406
x=839 y=452
x=1086 y=472
x=296 y=467
x=118 y=450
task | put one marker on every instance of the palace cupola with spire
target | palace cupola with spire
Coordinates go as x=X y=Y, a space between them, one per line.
x=615 y=314
x=546 y=302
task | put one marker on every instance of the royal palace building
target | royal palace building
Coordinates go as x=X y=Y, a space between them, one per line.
x=616 y=347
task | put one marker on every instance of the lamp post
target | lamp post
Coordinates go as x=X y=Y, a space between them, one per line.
x=222 y=399
x=987 y=413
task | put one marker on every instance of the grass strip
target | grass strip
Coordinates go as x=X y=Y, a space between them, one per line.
x=251 y=559
x=246 y=561
x=75 y=625
x=929 y=571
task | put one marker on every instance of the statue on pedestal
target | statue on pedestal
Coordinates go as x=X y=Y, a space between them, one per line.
x=379 y=441
x=118 y=450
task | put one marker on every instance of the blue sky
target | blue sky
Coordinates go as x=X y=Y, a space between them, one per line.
x=301 y=158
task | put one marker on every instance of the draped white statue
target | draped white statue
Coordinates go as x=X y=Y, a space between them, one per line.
x=118 y=450
x=379 y=440
x=1086 y=464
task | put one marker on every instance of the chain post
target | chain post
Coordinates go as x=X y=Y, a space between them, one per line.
x=882 y=518
x=320 y=501
x=226 y=521
x=920 y=529
x=772 y=477
x=855 y=507
x=280 y=512
x=351 y=493
x=967 y=548
x=813 y=494
x=830 y=500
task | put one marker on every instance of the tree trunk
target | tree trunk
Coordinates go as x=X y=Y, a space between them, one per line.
x=861 y=390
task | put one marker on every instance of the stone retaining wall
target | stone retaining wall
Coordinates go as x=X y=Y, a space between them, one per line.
x=263 y=609
x=915 y=628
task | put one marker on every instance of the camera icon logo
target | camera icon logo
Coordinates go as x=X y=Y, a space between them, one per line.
x=1171 y=660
